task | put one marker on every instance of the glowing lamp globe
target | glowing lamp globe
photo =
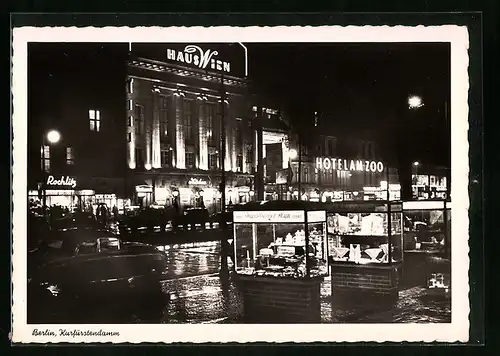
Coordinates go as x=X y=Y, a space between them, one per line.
x=53 y=136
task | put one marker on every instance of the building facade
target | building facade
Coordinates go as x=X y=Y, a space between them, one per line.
x=178 y=117
x=77 y=91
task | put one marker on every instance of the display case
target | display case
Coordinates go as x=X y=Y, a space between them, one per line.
x=360 y=233
x=281 y=259
x=365 y=245
x=427 y=226
x=281 y=243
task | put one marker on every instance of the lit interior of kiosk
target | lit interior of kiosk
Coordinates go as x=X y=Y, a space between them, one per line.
x=280 y=243
x=360 y=234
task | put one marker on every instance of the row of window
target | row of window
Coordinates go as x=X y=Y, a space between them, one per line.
x=208 y=109
x=46 y=159
x=166 y=158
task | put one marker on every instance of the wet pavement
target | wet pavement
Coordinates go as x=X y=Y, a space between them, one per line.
x=196 y=291
x=200 y=293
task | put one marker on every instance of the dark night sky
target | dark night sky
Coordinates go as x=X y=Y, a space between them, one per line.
x=355 y=87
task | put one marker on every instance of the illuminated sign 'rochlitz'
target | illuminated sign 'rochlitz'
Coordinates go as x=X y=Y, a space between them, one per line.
x=340 y=164
x=195 y=55
x=64 y=181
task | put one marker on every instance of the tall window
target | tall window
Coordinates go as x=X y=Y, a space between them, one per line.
x=330 y=147
x=249 y=157
x=239 y=163
x=188 y=120
x=166 y=158
x=45 y=158
x=210 y=110
x=189 y=160
x=95 y=120
x=70 y=156
x=138 y=158
x=163 y=118
x=212 y=161
x=139 y=119
x=239 y=137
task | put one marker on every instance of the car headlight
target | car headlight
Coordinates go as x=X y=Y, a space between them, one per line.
x=54 y=290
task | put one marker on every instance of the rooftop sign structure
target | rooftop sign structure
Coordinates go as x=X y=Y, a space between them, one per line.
x=194 y=55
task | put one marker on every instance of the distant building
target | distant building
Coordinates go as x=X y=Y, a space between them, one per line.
x=80 y=94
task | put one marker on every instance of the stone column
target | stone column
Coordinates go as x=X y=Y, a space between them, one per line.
x=229 y=140
x=148 y=128
x=180 y=142
x=202 y=153
x=156 y=149
x=131 y=159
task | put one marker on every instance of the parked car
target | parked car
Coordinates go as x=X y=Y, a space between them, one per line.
x=145 y=218
x=222 y=219
x=83 y=278
x=192 y=217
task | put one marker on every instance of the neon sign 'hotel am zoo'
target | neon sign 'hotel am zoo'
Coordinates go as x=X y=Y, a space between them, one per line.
x=340 y=164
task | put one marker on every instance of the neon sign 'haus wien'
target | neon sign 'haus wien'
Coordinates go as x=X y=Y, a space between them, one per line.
x=196 y=56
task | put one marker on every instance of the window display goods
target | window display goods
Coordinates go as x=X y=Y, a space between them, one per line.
x=364 y=237
x=365 y=246
x=282 y=244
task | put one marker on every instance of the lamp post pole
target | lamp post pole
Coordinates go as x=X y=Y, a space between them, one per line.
x=44 y=180
x=299 y=170
x=50 y=137
x=223 y=143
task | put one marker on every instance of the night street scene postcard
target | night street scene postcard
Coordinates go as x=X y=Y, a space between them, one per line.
x=239 y=184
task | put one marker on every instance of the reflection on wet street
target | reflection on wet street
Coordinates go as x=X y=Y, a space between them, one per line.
x=191 y=259
x=197 y=291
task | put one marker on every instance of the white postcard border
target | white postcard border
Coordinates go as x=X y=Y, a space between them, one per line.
x=457 y=330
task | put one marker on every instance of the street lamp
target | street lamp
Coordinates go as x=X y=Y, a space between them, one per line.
x=416 y=163
x=50 y=138
x=292 y=154
x=415 y=102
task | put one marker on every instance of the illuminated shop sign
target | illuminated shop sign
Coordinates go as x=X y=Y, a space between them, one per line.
x=197 y=181
x=203 y=59
x=66 y=181
x=350 y=165
x=316 y=216
x=143 y=189
x=268 y=216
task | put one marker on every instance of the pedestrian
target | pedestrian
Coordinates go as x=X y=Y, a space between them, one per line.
x=104 y=214
x=115 y=212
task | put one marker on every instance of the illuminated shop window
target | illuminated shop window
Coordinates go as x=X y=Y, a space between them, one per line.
x=212 y=161
x=45 y=158
x=209 y=112
x=70 y=155
x=166 y=158
x=188 y=120
x=139 y=119
x=95 y=120
x=189 y=159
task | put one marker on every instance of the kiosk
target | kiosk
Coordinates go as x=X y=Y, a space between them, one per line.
x=281 y=259
x=365 y=243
